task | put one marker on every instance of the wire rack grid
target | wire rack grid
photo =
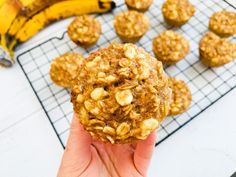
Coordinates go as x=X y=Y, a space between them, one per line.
x=206 y=84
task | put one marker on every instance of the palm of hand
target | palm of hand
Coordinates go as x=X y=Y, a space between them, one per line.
x=113 y=161
x=85 y=157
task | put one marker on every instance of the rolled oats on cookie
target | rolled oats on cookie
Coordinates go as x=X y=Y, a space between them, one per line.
x=170 y=47
x=181 y=97
x=139 y=5
x=84 y=30
x=177 y=12
x=121 y=94
x=215 y=51
x=130 y=26
x=64 y=69
x=223 y=23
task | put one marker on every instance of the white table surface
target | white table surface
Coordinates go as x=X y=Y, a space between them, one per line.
x=29 y=147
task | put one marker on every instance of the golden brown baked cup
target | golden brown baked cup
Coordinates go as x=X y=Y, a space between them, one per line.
x=223 y=23
x=215 y=51
x=177 y=12
x=130 y=26
x=170 y=47
x=181 y=97
x=139 y=5
x=64 y=69
x=84 y=31
x=121 y=94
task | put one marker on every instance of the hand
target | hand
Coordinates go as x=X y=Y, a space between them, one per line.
x=85 y=157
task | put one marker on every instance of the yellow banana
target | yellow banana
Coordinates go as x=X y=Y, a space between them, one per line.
x=17 y=24
x=30 y=7
x=61 y=10
x=25 y=3
x=8 y=13
x=2 y=2
x=22 y=19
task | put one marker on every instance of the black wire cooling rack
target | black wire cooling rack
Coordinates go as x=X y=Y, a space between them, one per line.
x=207 y=84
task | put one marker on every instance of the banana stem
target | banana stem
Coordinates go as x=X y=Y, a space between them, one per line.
x=3 y=41
x=9 y=53
x=11 y=48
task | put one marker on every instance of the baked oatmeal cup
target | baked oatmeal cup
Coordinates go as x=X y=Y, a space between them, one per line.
x=130 y=26
x=177 y=12
x=170 y=47
x=64 y=69
x=139 y=5
x=223 y=23
x=215 y=51
x=84 y=31
x=181 y=97
x=121 y=94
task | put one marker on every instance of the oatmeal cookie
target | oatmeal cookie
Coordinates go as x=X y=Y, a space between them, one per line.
x=64 y=69
x=223 y=23
x=139 y=5
x=84 y=31
x=131 y=25
x=177 y=12
x=215 y=51
x=121 y=94
x=181 y=96
x=170 y=47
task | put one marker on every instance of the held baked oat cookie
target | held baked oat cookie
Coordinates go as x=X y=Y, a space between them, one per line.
x=121 y=94
x=170 y=47
x=181 y=97
x=139 y=5
x=84 y=30
x=177 y=12
x=130 y=26
x=215 y=51
x=64 y=69
x=223 y=23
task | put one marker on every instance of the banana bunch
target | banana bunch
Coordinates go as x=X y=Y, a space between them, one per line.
x=22 y=19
